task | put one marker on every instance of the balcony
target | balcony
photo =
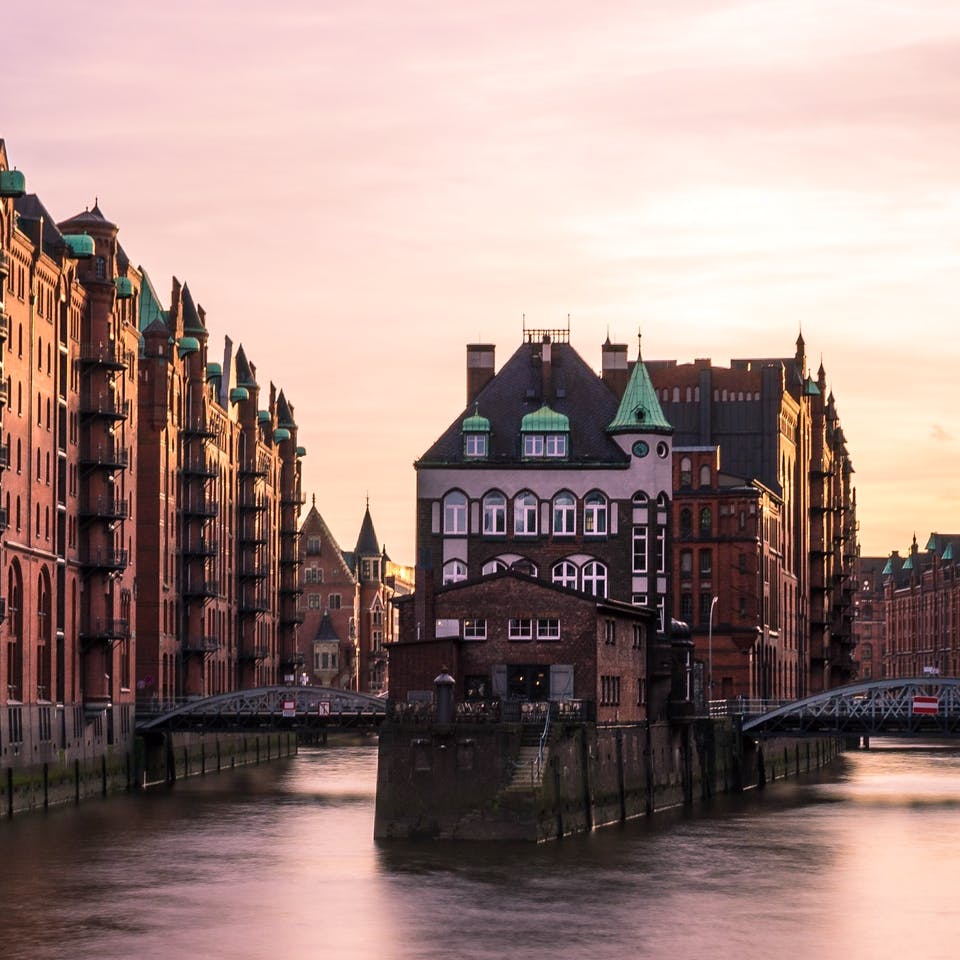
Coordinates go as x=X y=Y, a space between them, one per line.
x=291 y=618
x=4 y=456
x=201 y=645
x=199 y=467
x=253 y=652
x=105 y=508
x=106 y=456
x=253 y=537
x=254 y=606
x=198 y=427
x=203 y=548
x=4 y=325
x=297 y=501
x=105 y=355
x=289 y=555
x=105 y=629
x=201 y=507
x=3 y=520
x=3 y=393
x=252 y=470
x=104 y=559
x=105 y=408
x=202 y=590
x=4 y=263
x=252 y=570
x=293 y=590
x=253 y=505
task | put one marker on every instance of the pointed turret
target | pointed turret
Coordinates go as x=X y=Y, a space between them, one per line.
x=367 y=543
x=639 y=410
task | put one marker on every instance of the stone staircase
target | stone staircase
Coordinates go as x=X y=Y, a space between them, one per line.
x=525 y=777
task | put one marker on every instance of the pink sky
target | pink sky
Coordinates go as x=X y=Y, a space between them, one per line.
x=355 y=191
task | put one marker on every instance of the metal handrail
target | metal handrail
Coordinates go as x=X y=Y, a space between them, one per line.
x=543 y=742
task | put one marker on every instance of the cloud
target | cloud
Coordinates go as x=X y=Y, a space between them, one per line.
x=939 y=434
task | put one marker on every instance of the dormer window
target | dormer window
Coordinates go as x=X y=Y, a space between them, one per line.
x=476 y=437
x=545 y=434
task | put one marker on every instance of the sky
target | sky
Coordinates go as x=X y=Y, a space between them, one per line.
x=355 y=191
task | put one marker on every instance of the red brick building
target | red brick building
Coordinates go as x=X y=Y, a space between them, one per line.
x=922 y=599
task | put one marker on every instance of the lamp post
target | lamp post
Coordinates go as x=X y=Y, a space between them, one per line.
x=713 y=603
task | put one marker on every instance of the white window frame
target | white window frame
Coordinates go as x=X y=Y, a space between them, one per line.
x=491 y=567
x=454 y=571
x=533 y=444
x=564 y=514
x=555 y=445
x=475 y=445
x=455 y=513
x=595 y=510
x=475 y=629
x=520 y=628
x=593 y=576
x=494 y=514
x=548 y=628
x=526 y=510
x=565 y=574
x=641 y=550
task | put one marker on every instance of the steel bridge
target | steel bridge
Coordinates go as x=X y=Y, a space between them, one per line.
x=907 y=707
x=321 y=707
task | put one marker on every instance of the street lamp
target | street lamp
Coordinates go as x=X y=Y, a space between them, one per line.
x=713 y=603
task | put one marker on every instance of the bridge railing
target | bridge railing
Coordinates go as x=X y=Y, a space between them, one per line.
x=743 y=707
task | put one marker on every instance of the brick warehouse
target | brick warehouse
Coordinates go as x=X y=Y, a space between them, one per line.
x=560 y=477
x=128 y=460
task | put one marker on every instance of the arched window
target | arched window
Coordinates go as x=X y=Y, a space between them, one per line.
x=595 y=514
x=455 y=513
x=14 y=678
x=564 y=515
x=686 y=522
x=595 y=578
x=494 y=514
x=525 y=514
x=686 y=471
x=705 y=475
x=44 y=652
x=706 y=522
x=640 y=499
x=454 y=571
x=492 y=566
x=565 y=574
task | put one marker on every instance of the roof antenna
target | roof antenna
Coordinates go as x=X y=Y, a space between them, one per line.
x=639 y=344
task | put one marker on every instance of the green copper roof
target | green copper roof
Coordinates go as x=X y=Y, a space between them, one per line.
x=79 y=246
x=908 y=563
x=263 y=416
x=476 y=423
x=639 y=410
x=948 y=553
x=888 y=568
x=12 y=183
x=187 y=345
x=124 y=287
x=239 y=393
x=544 y=420
x=301 y=451
x=810 y=388
x=214 y=370
x=150 y=308
x=281 y=434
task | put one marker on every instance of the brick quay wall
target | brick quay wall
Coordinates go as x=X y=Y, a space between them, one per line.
x=482 y=782
x=143 y=762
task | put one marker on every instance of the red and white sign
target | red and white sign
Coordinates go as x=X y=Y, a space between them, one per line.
x=928 y=706
x=323 y=708
x=289 y=708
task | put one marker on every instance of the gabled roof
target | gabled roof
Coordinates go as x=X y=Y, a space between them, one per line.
x=574 y=391
x=639 y=410
x=313 y=523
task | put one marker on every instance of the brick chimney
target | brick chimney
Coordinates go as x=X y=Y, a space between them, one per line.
x=615 y=372
x=546 y=369
x=480 y=368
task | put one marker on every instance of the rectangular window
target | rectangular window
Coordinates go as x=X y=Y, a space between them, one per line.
x=520 y=629
x=313 y=545
x=641 y=691
x=639 y=549
x=610 y=690
x=334 y=601
x=474 y=629
x=548 y=629
x=686 y=564
x=475 y=445
x=637 y=636
x=313 y=575
x=556 y=444
x=661 y=553
x=705 y=602
x=533 y=444
x=313 y=601
x=610 y=632
x=686 y=606
x=706 y=563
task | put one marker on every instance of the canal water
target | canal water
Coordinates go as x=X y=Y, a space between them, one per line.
x=279 y=862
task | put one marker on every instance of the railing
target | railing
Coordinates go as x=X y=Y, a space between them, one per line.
x=108 y=407
x=103 y=355
x=109 y=455
x=106 y=508
x=499 y=711
x=743 y=707
x=205 y=644
x=104 y=559
x=106 y=628
x=199 y=467
x=4 y=324
x=201 y=507
x=202 y=588
x=198 y=427
x=203 y=548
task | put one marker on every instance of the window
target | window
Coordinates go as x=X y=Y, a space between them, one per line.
x=474 y=629
x=492 y=566
x=595 y=514
x=454 y=571
x=520 y=629
x=334 y=601
x=706 y=522
x=661 y=551
x=595 y=578
x=706 y=563
x=548 y=628
x=705 y=475
x=609 y=691
x=686 y=522
x=610 y=632
x=313 y=575
x=455 y=513
x=686 y=472
x=377 y=617
x=686 y=607
x=686 y=564
x=564 y=515
x=639 y=549
x=313 y=601
x=706 y=600
x=565 y=574
x=313 y=545
x=641 y=691
x=475 y=445
x=525 y=515
x=556 y=444
x=637 y=636
x=533 y=445
x=494 y=514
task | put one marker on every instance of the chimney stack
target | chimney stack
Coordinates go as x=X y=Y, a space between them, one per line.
x=615 y=372
x=546 y=369
x=480 y=368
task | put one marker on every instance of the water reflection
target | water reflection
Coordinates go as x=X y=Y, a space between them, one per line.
x=279 y=861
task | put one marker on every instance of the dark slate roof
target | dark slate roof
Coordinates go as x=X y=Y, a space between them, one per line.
x=284 y=414
x=326 y=630
x=517 y=389
x=192 y=323
x=92 y=217
x=30 y=210
x=244 y=375
x=367 y=543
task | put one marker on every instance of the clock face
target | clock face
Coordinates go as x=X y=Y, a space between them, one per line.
x=641 y=448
